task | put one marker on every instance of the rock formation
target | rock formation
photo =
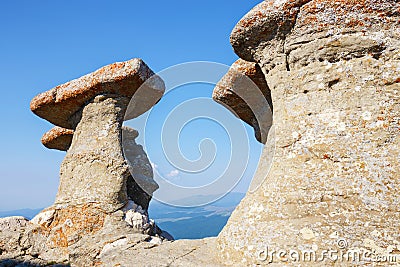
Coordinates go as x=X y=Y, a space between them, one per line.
x=245 y=92
x=58 y=138
x=333 y=68
x=139 y=188
x=140 y=184
x=98 y=201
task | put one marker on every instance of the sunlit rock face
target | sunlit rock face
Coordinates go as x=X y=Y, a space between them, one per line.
x=333 y=71
x=333 y=68
x=98 y=201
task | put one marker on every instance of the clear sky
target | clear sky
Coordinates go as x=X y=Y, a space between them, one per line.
x=46 y=43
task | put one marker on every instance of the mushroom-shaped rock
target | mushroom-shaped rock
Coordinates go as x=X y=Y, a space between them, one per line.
x=60 y=104
x=140 y=186
x=265 y=27
x=58 y=138
x=96 y=202
x=94 y=170
x=245 y=92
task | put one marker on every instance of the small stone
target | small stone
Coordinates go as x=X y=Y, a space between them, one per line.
x=44 y=217
x=307 y=233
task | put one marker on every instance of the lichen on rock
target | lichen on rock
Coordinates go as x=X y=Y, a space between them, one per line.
x=332 y=71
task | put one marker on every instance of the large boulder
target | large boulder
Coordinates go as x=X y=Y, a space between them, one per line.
x=333 y=68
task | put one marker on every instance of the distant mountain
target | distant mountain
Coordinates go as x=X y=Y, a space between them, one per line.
x=196 y=222
x=195 y=227
x=27 y=213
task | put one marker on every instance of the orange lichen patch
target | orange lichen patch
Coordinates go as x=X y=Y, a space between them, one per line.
x=72 y=223
x=60 y=239
x=264 y=10
x=58 y=138
x=348 y=13
x=354 y=23
x=251 y=21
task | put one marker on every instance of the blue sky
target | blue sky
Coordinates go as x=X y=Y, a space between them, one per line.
x=46 y=43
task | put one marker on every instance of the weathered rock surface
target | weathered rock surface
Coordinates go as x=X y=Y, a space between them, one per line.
x=79 y=236
x=185 y=253
x=140 y=184
x=10 y=232
x=95 y=204
x=94 y=169
x=60 y=104
x=58 y=138
x=105 y=243
x=120 y=249
x=245 y=92
x=140 y=187
x=333 y=68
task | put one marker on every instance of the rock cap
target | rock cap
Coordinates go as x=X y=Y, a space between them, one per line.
x=266 y=26
x=58 y=138
x=245 y=92
x=59 y=104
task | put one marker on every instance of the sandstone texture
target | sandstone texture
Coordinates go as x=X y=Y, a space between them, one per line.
x=140 y=187
x=58 y=138
x=333 y=68
x=182 y=253
x=245 y=92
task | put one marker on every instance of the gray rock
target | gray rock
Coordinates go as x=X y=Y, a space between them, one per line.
x=11 y=231
x=140 y=184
